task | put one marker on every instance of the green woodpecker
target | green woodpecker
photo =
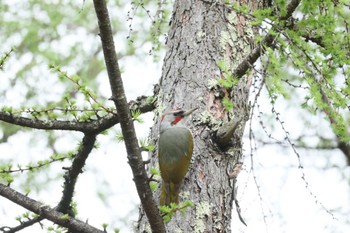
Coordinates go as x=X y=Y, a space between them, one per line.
x=175 y=147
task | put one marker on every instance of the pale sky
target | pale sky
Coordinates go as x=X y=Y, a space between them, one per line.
x=284 y=203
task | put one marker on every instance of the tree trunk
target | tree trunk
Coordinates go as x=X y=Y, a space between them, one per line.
x=202 y=34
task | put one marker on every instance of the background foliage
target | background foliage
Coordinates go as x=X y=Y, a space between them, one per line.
x=52 y=68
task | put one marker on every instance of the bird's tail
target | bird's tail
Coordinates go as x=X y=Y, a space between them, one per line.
x=170 y=193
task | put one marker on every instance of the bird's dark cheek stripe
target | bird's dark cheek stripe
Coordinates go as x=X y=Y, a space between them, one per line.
x=177 y=119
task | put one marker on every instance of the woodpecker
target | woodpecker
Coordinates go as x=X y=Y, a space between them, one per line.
x=175 y=147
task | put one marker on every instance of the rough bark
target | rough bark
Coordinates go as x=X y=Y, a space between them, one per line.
x=194 y=48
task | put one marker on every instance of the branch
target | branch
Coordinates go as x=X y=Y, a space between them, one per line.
x=72 y=173
x=69 y=184
x=46 y=211
x=246 y=64
x=94 y=126
x=4 y=57
x=315 y=39
x=298 y=145
x=118 y=96
x=24 y=224
x=343 y=146
x=56 y=124
x=225 y=132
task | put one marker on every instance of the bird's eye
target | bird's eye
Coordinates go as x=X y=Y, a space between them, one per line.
x=179 y=113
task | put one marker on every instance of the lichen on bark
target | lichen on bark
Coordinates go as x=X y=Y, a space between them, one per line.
x=194 y=47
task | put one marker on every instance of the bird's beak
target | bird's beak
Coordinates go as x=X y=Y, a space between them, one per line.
x=190 y=111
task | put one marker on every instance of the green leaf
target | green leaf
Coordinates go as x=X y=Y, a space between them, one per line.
x=154 y=171
x=228 y=104
x=146 y=145
x=153 y=185
x=136 y=116
x=120 y=136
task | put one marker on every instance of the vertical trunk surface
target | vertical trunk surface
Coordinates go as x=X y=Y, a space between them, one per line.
x=202 y=34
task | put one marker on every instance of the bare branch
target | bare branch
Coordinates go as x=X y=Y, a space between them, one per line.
x=21 y=226
x=45 y=124
x=345 y=148
x=72 y=173
x=126 y=123
x=46 y=211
